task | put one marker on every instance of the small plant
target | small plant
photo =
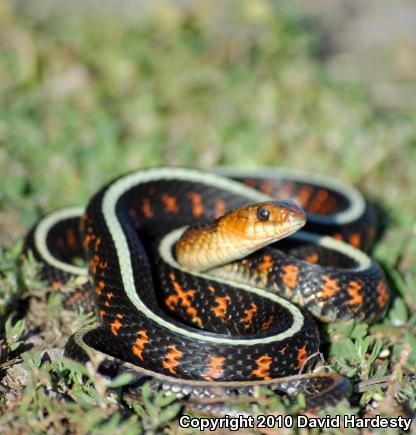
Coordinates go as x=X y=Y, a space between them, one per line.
x=156 y=410
x=9 y=277
x=14 y=334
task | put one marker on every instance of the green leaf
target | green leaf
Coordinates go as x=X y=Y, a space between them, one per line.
x=27 y=359
x=301 y=401
x=15 y=345
x=410 y=339
x=169 y=413
x=121 y=380
x=361 y=347
x=360 y=330
x=32 y=360
x=147 y=399
x=19 y=328
x=8 y=327
x=112 y=424
x=37 y=359
x=376 y=350
x=398 y=314
x=381 y=370
x=164 y=399
x=344 y=350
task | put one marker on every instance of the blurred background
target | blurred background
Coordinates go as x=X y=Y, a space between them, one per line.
x=92 y=89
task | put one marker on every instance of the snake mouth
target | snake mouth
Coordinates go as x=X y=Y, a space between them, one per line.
x=266 y=237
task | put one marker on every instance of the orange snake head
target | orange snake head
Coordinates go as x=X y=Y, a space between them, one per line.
x=264 y=221
x=238 y=233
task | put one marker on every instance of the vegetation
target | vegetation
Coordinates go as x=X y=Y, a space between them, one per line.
x=89 y=93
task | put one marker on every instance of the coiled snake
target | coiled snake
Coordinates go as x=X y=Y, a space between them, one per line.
x=211 y=309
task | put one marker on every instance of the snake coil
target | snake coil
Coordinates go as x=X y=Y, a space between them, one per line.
x=247 y=325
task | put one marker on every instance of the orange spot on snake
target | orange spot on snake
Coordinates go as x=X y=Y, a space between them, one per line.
x=222 y=304
x=322 y=195
x=266 y=325
x=87 y=240
x=197 y=207
x=329 y=205
x=312 y=258
x=116 y=325
x=329 y=288
x=96 y=263
x=101 y=314
x=147 y=208
x=250 y=314
x=302 y=356
x=71 y=238
x=100 y=287
x=97 y=244
x=172 y=359
x=290 y=275
x=382 y=294
x=303 y=195
x=184 y=297
x=141 y=341
x=317 y=204
x=95 y=260
x=56 y=285
x=250 y=182
x=211 y=289
x=266 y=264
x=171 y=302
x=267 y=187
x=355 y=239
x=108 y=296
x=214 y=368
x=371 y=232
x=170 y=203
x=353 y=289
x=263 y=367
x=338 y=236
x=219 y=208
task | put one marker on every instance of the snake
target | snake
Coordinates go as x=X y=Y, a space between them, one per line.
x=205 y=286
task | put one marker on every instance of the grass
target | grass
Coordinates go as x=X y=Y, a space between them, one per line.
x=86 y=95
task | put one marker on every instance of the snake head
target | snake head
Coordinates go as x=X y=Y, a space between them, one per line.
x=265 y=221
x=238 y=233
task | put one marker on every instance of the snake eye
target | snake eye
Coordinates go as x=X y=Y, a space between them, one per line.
x=263 y=213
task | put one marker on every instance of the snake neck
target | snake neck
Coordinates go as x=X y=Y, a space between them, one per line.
x=205 y=246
